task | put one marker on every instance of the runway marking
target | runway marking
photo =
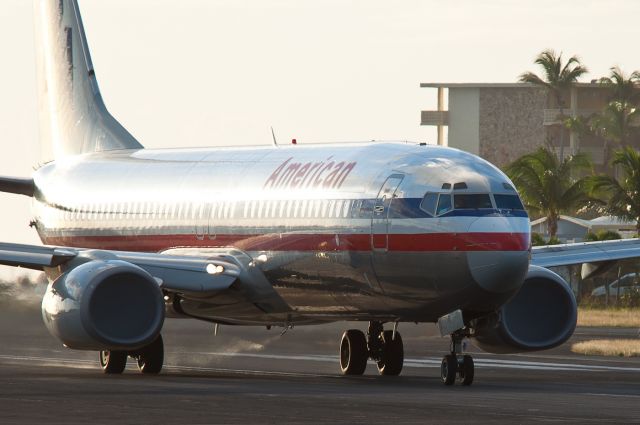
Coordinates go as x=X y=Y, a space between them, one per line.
x=613 y=395
x=48 y=361
x=414 y=363
x=435 y=362
x=239 y=371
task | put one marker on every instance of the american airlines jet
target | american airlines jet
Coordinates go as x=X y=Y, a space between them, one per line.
x=276 y=235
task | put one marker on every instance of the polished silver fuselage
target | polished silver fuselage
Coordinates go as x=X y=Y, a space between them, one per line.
x=338 y=229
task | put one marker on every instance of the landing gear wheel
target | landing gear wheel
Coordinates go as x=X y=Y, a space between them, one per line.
x=150 y=358
x=448 y=369
x=353 y=352
x=466 y=370
x=113 y=362
x=392 y=354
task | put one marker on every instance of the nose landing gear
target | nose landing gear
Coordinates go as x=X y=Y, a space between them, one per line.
x=455 y=364
x=383 y=347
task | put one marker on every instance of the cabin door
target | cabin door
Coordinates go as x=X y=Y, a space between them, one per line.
x=380 y=217
x=201 y=219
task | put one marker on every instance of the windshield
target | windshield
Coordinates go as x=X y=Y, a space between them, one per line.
x=429 y=203
x=444 y=203
x=508 y=202
x=472 y=201
x=437 y=204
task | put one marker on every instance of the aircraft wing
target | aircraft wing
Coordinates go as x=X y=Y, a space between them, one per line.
x=33 y=256
x=585 y=253
x=19 y=186
x=187 y=274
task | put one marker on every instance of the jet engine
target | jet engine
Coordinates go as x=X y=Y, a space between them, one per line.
x=104 y=305
x=542 y=315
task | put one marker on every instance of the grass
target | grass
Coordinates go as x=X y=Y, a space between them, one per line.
x=619 y=318
x=608 y=347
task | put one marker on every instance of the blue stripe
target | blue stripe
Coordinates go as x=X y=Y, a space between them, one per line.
x=410 y=208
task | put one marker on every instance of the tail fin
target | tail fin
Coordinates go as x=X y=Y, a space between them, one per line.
x=73 y=117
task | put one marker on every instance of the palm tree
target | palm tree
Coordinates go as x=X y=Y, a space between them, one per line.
x=549 y=186
x=623 y=89
x=622 y=195
x=615 y=122
x=557 y=79
x=580 y=126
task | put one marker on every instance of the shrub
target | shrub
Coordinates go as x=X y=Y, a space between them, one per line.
x=602 y=235
x=537 y=239
x=631 y=298
x=591 y=237
x=553 y=241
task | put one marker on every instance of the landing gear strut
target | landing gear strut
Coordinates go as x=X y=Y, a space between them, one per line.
x=149 y=358
x=383 y=347
x=456 y=364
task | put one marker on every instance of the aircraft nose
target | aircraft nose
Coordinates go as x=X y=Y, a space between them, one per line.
x=500 y=263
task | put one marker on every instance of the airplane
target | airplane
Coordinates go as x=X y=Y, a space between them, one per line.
x=377 y=232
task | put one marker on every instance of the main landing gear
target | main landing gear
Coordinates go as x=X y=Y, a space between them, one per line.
x=383 y=347
x=149 y=358
x=456 y=364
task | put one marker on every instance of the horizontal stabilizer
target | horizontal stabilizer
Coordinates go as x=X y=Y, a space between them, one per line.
x=16 y=185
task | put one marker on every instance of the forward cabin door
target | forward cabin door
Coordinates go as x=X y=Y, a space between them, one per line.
x=380 y=217
x=201 y=219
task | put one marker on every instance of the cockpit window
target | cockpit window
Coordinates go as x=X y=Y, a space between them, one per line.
x=444 y=203
x=429 y=203
x=508 y=202
x=472 y=201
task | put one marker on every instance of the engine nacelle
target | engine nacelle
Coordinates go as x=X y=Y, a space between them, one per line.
x=104 y=305
x=542 y=315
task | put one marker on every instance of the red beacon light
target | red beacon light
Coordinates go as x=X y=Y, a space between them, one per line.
x=294 y=142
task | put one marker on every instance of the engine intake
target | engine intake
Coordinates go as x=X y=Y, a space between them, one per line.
x=104 y=305
x=542 y=315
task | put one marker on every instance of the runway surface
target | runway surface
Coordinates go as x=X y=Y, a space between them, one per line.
x=255 y=376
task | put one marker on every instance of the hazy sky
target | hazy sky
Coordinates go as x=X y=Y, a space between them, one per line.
x=205 y=73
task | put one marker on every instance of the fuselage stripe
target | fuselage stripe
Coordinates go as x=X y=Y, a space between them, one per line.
x=425 y=242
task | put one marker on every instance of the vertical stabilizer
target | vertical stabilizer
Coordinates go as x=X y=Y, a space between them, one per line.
x=73 y=117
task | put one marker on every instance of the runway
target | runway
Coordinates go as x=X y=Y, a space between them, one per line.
x=251 y=375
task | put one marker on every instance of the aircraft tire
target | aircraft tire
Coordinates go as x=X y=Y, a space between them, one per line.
x=353 y=352
x=392 y=354
x=448 y=369
x=467 y=370
x=151 y=357
x=113 y=362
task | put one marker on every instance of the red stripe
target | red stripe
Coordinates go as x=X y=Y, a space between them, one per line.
x=423 y=242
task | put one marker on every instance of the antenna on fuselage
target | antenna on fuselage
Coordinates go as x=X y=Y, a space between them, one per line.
x=273 y=134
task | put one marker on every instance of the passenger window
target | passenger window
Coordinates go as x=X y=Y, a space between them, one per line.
x=444 y=203
x=472 y=202
x=508 y=202
x=429 y=202
x=303 y=208
x=325 y=207
x=289 y=205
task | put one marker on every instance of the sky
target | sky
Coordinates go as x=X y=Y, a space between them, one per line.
x=222 y=72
